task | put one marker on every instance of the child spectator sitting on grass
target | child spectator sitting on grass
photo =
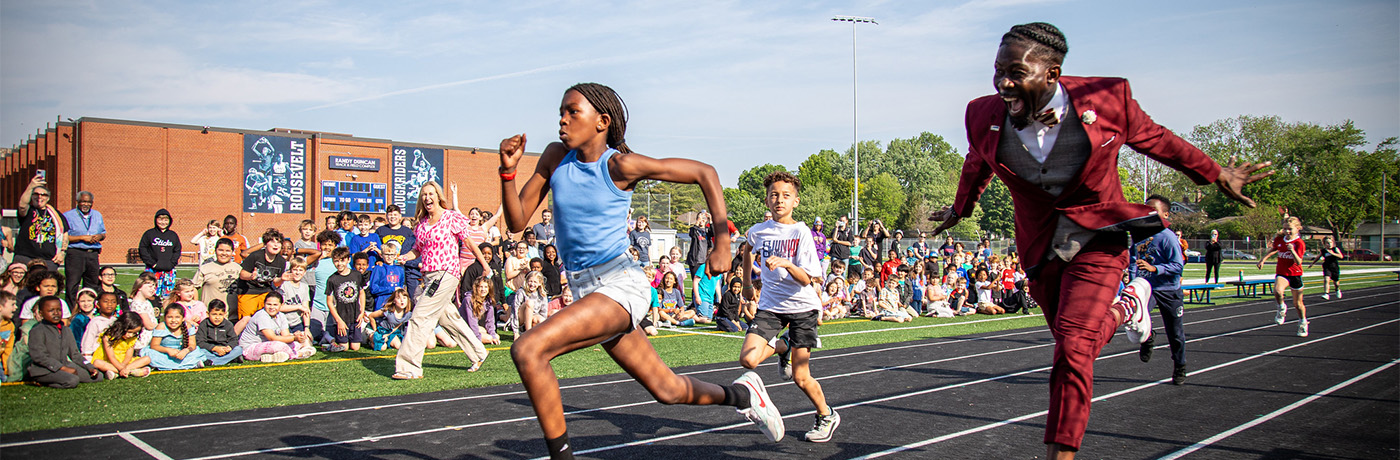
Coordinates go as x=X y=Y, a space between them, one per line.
x=9 y=334
x=87 y=304
x=391 y=320
x=48 y=284
x=478 y=308
x=891 y=307
x=216 y=336
x=116 y=353
x=103 y=317
x=267 y=337
x=834 y=300
x=172 y=346
x=185 y=295
x=936 y=301
x=729 y=313
x=56 y=360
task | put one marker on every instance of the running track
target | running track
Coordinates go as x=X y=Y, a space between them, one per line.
x=1255 y=391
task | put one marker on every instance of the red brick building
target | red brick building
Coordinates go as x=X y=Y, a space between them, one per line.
x=198 y=173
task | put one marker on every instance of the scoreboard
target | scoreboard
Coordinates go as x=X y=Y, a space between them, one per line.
x=358 y=197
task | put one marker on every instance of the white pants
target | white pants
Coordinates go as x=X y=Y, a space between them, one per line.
x=430 y=312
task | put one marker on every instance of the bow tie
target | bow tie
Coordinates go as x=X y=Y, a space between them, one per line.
x=1048 y=118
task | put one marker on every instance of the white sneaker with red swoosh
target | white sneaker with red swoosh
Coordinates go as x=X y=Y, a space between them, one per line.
x=761 y=411
x=1138 y=324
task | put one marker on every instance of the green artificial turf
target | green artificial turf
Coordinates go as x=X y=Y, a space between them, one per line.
x=363 y=374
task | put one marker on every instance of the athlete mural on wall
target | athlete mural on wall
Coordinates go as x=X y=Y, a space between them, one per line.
x=413 y=167
x=274 y=180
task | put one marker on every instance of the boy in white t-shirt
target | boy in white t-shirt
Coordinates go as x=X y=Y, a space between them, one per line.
x=790 y=265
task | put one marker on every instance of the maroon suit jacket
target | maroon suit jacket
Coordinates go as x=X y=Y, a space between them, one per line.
x=1094 y=198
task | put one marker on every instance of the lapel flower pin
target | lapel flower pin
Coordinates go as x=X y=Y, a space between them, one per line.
x=1089 y=117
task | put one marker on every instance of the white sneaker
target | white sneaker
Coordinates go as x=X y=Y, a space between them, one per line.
x=1302 y=329
x=1138 y=323
x=1282 y=313
x=824 y=428
x=1327 y=297
x=1339 y=294
x=279 y=357
x=761 y=410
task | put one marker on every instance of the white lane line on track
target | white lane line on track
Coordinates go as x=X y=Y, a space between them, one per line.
x=628 y=380
x=1270 y=416
x=722 y=428
x=1114 y=394
x=144 y=447
x=989 y=379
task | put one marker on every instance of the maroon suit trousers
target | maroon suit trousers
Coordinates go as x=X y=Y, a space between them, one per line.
x=1076 y=296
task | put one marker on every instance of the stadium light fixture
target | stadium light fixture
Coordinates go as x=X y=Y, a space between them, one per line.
x=855 y=127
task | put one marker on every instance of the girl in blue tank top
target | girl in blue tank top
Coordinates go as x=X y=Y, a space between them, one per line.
x=592 y=173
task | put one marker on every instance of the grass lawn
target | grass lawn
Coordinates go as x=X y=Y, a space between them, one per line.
x=364 y=374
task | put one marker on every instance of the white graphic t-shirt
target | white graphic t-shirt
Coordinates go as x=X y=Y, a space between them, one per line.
x=781 y=293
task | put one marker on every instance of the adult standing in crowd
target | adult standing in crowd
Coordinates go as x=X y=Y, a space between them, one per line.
x=819 y=239
x=240 y=242
x=1160 y=259
x=875 y=236
x=701 y=239
x=438 y=233
x=544 y=231
x=640 y=238
x=1214 y=255
x=40 y=228
x=842 y=238
x=395 y=230
x=85 y=234
x=1069 y=207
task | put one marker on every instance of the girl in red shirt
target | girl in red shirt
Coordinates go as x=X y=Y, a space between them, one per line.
x=1288 y=272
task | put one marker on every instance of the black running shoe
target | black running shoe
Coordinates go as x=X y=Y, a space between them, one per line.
x=1179 y=375
x=1145 y=352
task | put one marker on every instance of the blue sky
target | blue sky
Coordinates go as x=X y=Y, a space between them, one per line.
x=733 y=84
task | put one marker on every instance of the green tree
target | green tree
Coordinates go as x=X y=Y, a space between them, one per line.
x=997 y=217
x=751 y=180
x=816 y=201
x=744 y=209
x=882 y=198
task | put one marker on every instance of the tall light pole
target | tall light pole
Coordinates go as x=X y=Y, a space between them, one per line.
x=855 y=126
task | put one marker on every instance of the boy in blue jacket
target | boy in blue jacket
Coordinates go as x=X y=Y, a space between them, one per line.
x=385 y=278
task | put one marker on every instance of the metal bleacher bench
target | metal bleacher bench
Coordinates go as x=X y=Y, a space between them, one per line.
x=1250 y=288
x=1200 y=293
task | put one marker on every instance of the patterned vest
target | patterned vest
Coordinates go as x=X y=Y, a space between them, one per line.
x=1067 y=157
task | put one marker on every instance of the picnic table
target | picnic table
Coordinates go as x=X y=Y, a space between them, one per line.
x=1250 y=288
x=1200 y=293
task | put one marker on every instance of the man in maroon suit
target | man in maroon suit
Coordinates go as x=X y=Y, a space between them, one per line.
x=1054 y=140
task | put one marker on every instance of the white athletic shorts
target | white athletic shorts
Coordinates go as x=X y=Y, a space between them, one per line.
x=621 y=280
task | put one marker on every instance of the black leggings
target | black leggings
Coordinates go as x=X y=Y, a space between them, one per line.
x=1213 y=266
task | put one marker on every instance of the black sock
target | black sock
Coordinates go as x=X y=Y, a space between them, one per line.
x=559 y=448
x=736 y=395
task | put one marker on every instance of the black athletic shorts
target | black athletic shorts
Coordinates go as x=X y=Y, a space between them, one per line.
x=1295 y=282
x=802 y=327
x=1332 y=271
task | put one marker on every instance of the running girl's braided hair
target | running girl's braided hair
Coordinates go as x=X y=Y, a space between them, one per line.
x=1047 y=39
x=606 y=101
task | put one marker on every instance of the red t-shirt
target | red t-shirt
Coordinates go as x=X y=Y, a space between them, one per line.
x=1287 y=265
x=1008 y=279
x=888 y=269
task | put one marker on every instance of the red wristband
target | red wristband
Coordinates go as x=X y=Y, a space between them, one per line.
x=508 y=177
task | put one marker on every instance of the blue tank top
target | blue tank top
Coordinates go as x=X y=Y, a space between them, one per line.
x=591 y=212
